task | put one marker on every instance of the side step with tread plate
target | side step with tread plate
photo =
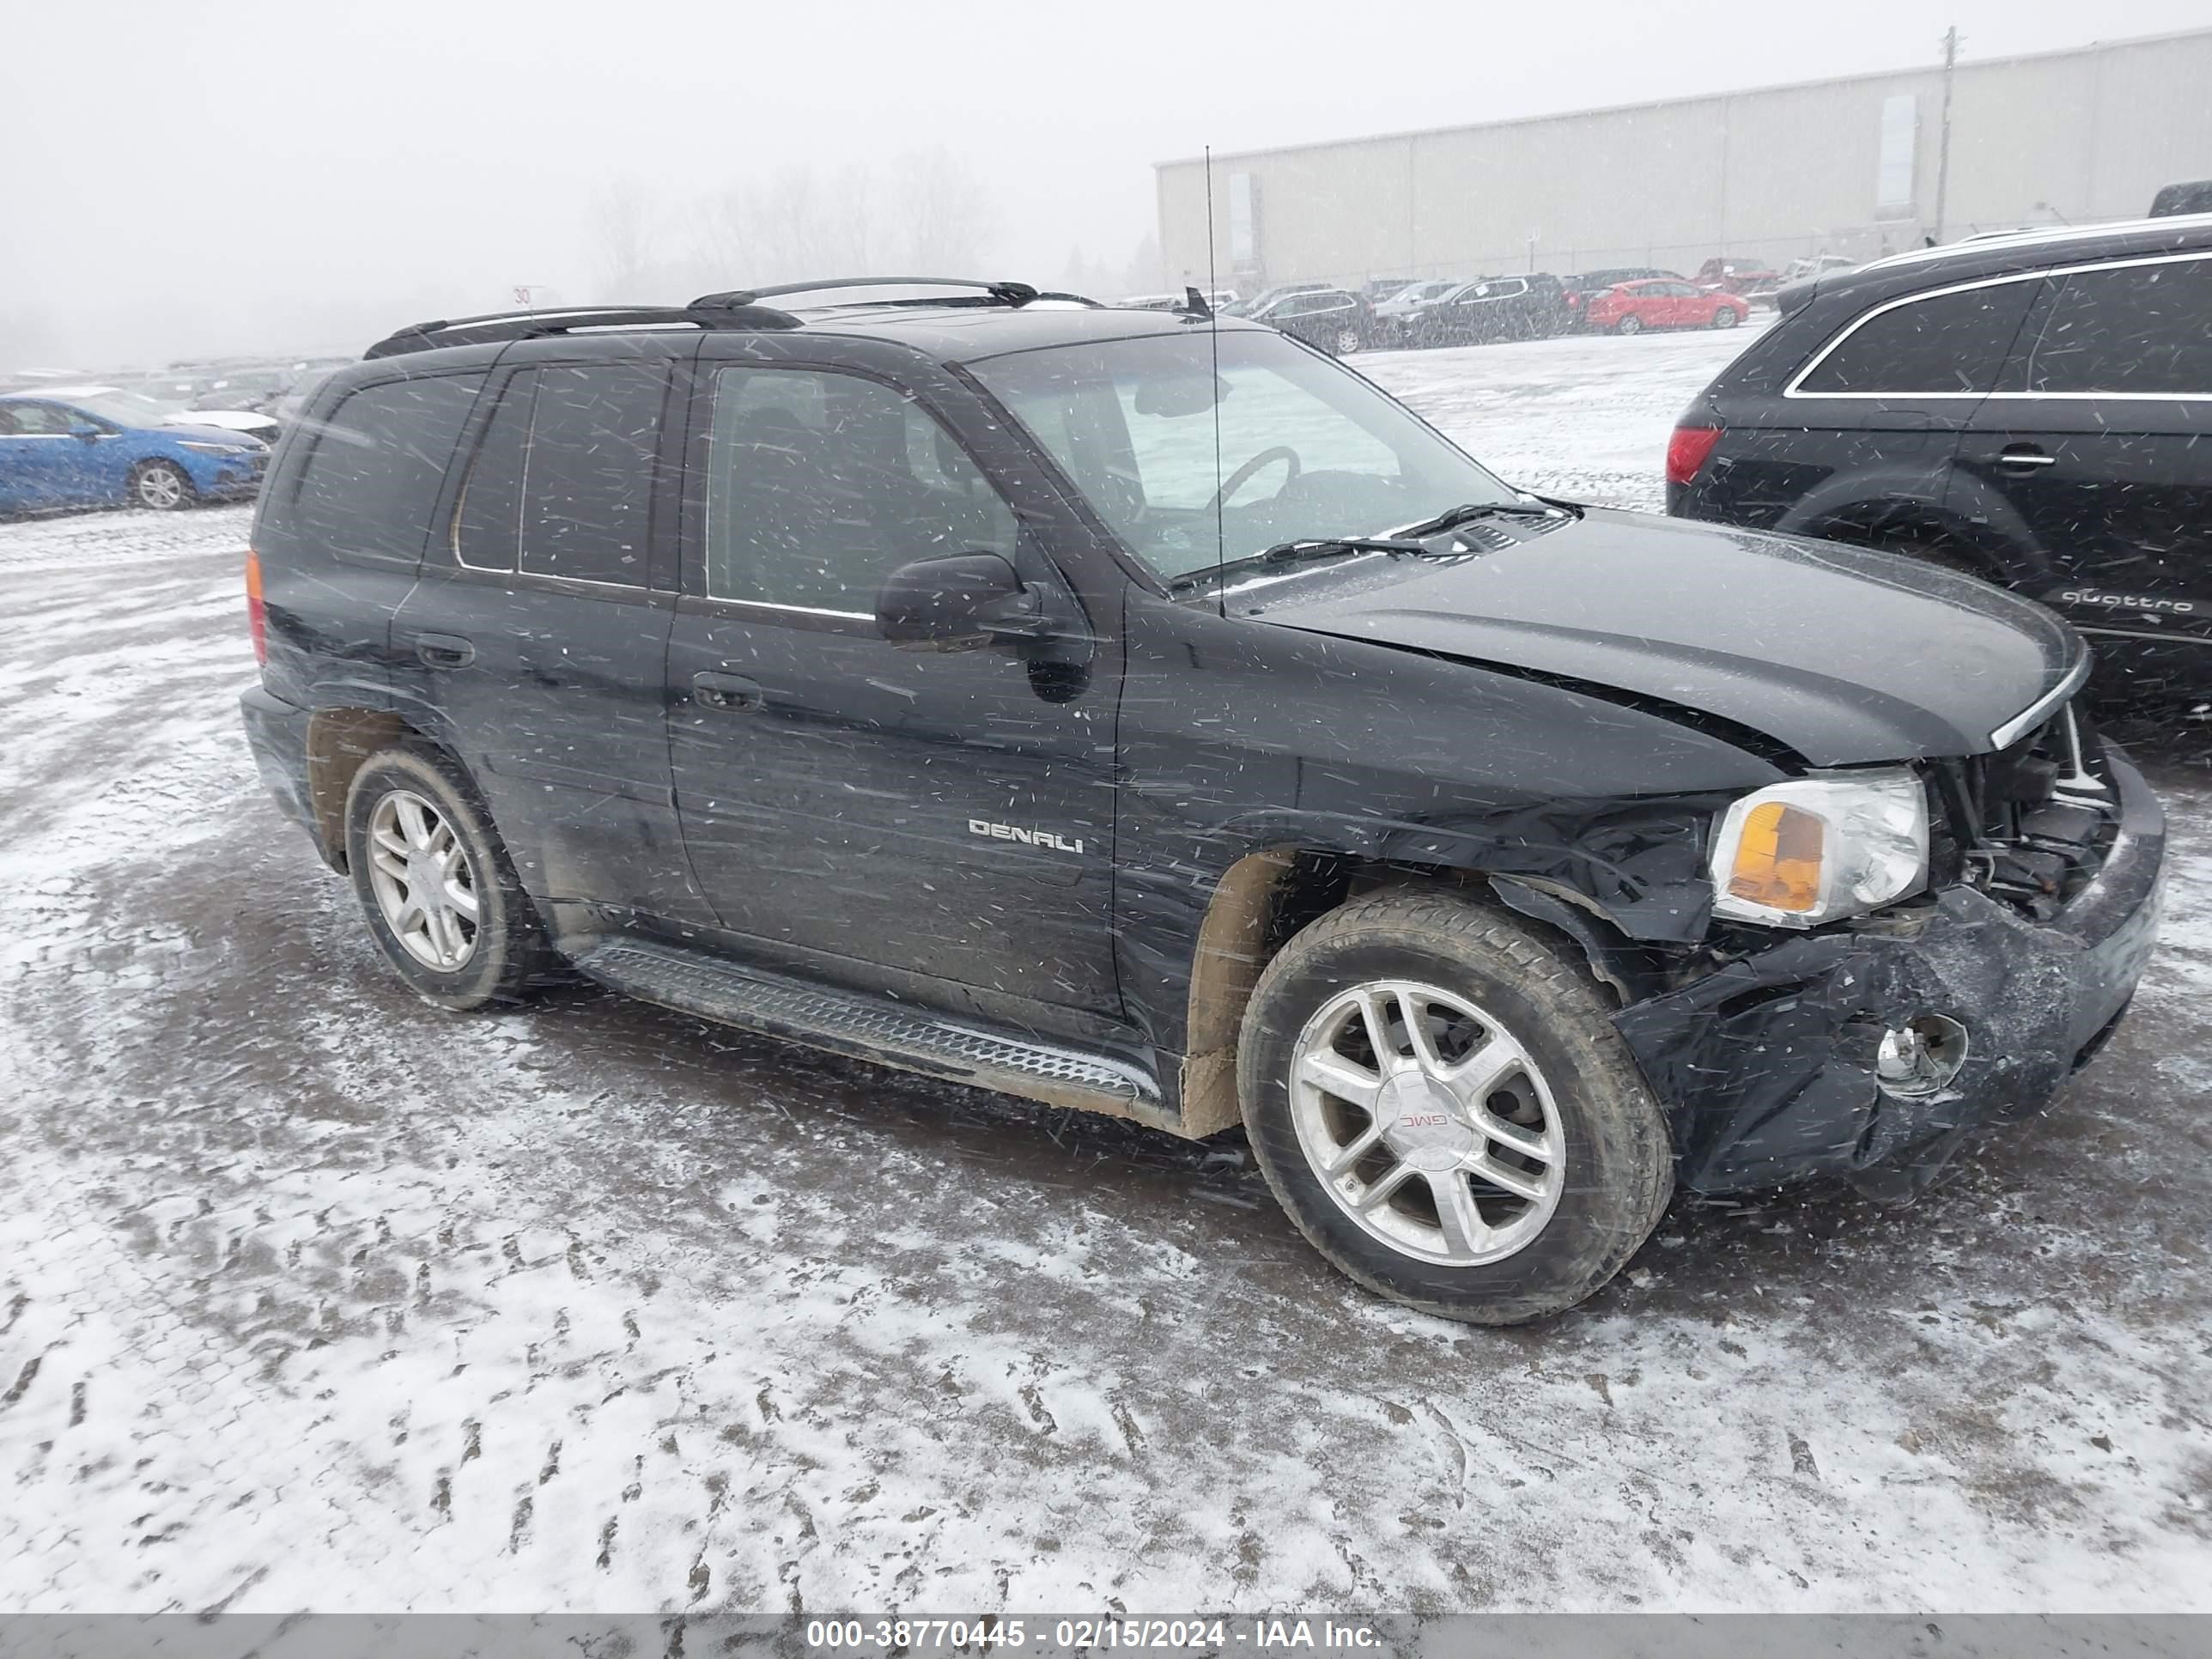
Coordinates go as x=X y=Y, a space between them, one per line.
x=875 y=1029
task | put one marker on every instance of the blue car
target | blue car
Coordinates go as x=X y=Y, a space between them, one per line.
x=110 y=448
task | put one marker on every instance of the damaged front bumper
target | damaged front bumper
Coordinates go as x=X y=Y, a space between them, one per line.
x=1767 y=1066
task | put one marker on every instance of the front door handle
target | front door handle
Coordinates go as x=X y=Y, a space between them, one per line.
x=733 y=692
x=2025 y=455
x=445 y=650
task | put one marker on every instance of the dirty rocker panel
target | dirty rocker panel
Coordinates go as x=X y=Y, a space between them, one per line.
x=876 y=1029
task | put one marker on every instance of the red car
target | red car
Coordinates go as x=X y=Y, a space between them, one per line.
x=1631 y=307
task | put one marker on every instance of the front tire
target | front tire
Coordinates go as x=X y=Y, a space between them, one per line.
x=161 y=486
x=1441 y=1104
x=1348 y=342
x=1725 y=317
x=440 y=893
x=1629 y=325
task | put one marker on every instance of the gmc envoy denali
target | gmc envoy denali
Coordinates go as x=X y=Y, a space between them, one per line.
x=1139 y=712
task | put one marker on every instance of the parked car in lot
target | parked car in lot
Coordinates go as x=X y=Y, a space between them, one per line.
x=1397 y=318
x=1530 y=308
x=1753 y=282
x=1157 y=718
x=1631 y=307
x=164 y=407
x=2192 y=196
x=1268 y=296
x=92 y=450
x=2034 y=409
x=1331 y=319
x=1576 y=292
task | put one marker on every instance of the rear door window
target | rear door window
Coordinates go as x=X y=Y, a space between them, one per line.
x=561 y=484
x=370 y=483
x=1947 y=345
x=2130 y=329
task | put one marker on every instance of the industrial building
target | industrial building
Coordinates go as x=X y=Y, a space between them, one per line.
x=1853 y=166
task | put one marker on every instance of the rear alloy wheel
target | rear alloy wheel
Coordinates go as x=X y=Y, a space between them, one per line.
x=1439 y=1100
x=1630 y=324
x=160 y=485
x=1725 y=317
x=438 y=890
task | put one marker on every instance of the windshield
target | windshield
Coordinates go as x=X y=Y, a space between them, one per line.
x=124 y=408
x=1308 y=450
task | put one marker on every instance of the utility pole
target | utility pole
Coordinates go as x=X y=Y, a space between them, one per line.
x=1943 y=142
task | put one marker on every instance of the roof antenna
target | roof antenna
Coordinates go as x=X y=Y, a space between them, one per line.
x=1214 y=336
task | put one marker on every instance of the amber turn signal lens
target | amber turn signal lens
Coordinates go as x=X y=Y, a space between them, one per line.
x=257 y=622
x=1778 y=858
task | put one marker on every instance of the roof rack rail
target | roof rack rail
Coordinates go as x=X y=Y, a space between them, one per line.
x=537 y=325
x=1005 y=294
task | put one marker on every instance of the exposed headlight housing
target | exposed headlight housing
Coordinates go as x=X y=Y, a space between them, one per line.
x=214 y=449
x=1798 y=853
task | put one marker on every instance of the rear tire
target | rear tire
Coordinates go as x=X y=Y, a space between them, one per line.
x=439 y=891
x=1554 y=1108
x=161 y=487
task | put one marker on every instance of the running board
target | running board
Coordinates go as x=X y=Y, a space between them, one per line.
x=875 y=1029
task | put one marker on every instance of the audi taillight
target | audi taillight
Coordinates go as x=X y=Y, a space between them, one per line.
x=257 y=621
x=1686 y=452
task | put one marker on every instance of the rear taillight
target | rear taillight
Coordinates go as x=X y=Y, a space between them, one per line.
x=257 y=621
x=1686 y=452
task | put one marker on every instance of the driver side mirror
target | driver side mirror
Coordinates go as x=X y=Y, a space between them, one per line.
x=958 y=603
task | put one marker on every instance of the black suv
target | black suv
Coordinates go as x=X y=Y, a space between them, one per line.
x=1530 y=308
x=1143 y=714
x=1331 y=319
x=2033 y=408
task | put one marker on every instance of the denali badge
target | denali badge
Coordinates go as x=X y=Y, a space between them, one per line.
x=1027 y=837
x=2126 y=601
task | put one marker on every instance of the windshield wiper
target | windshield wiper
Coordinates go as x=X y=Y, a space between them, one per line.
x=1467 y=512
x=1298 y=552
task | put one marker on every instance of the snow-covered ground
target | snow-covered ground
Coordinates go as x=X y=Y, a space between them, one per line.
x=312 y=1297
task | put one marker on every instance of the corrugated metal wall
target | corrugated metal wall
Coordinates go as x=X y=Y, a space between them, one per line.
x=1765 y=175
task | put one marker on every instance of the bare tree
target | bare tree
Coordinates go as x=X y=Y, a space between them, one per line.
x=621 y=225
x=939 y=216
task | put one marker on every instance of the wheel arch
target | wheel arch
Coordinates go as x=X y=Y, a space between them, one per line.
x=1901 y=523
x=1268 y=896
x=340 y=742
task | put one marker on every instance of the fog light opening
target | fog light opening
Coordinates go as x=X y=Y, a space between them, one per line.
x=1920 y=1057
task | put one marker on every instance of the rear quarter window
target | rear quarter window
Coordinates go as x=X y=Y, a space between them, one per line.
x=368 y=480
x=1947 y=345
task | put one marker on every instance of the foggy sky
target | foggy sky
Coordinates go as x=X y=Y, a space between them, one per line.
x=250 y=176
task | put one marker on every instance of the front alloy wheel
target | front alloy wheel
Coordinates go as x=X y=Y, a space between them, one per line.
x=1630 y=324
x=425 y=887
x=160 y=485
x=1348 y=342
x=1427 y=1122
x=1440 y=1101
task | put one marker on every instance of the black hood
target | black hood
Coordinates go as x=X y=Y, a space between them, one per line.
x=1843 y=654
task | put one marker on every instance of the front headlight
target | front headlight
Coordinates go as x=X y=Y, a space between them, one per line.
x=214 y=449
x=1798 y=853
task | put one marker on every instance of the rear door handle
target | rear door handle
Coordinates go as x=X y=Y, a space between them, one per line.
x=2025 y=455
x=733 y=692
x=445 y=650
